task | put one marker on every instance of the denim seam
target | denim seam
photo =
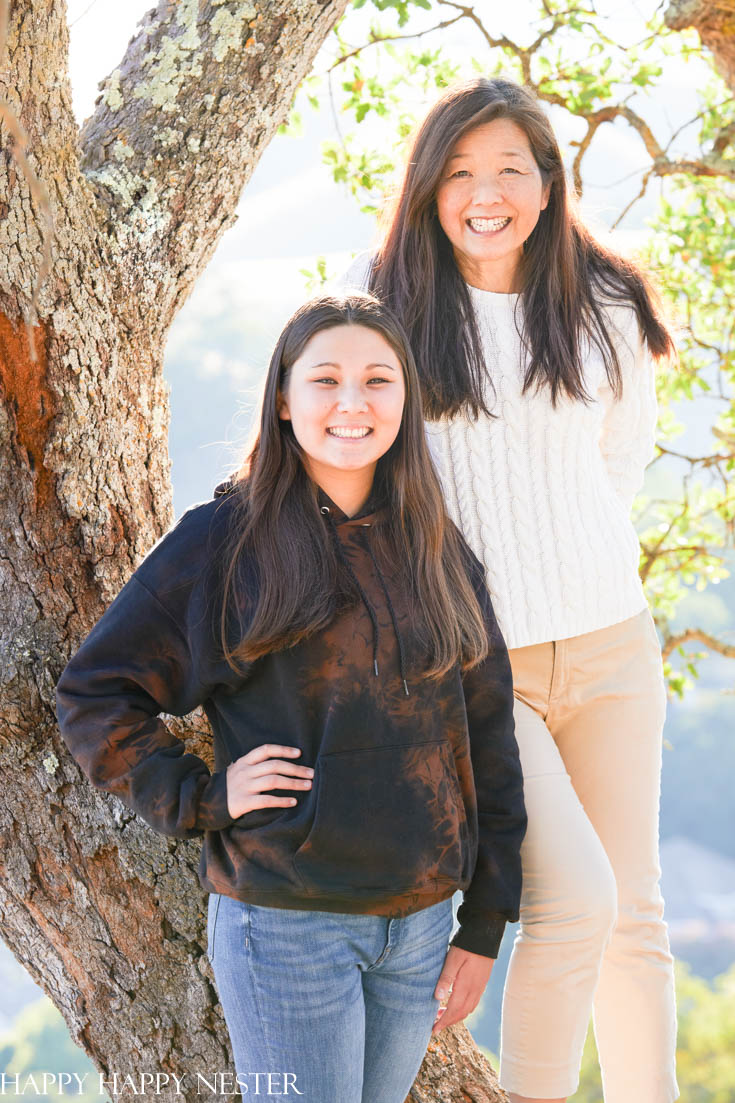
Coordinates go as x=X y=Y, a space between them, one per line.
x=256 y=993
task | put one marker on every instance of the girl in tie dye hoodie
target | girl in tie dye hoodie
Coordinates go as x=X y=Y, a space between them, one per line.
x=337 y=631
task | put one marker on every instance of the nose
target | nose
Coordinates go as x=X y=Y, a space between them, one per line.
x=351 y=399
x=488 y=189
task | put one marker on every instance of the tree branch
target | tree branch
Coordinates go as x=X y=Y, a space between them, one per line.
x=707 y=164
x=469 y=13
x=178 y=130
x=644 y=185
x=703 y=461
x=374 y=39
x=671 y=642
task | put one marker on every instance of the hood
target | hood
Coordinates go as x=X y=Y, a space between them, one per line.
x=224 y=487
x=339 y=525
x=375 y=508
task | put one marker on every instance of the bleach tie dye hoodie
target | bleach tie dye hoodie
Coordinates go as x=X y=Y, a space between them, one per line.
x=417 y=789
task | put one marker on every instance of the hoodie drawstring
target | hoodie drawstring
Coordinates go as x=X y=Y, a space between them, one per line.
x=348 y=567
x=391 y=610
x=365 y=600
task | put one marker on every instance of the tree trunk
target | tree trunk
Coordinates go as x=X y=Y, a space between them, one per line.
x=106 y=914
x=715 y=22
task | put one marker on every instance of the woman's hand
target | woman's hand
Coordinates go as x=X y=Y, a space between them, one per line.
x=466 y=975
x=256 y=771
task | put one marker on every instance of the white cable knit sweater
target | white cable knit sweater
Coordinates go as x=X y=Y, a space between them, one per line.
x=543 y=495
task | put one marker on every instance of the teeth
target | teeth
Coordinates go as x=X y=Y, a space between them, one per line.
x=343 y=431
x=482 y=225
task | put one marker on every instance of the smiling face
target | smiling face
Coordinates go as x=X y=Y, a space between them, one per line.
x=489 y=199
x=344 y=398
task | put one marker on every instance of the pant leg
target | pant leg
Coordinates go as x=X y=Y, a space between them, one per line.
x=609 y=733
x=290 y=988
x=344 y=1003
x=400 y=1007
x=568 y=904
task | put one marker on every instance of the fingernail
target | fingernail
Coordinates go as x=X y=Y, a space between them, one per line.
x=441 y=993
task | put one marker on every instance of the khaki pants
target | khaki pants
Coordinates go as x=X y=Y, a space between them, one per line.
x=589 y=715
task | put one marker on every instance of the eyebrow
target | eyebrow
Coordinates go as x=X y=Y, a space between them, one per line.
x=504 y=153
x=331 y=364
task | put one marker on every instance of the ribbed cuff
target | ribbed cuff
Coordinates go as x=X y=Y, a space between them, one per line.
x=481 y=935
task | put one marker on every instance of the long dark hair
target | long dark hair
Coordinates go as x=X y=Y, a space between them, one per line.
x=293 y=583
x=566 y=276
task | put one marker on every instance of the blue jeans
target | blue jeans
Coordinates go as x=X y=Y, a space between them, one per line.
x=343 y=1003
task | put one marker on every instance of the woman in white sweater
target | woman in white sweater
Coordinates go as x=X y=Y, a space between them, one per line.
x=537 y=346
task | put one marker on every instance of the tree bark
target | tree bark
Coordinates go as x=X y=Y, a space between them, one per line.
x=106 y=914
x=715 y=22
x=455 y=1070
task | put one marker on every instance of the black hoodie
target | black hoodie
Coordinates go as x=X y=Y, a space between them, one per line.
x=417 y=789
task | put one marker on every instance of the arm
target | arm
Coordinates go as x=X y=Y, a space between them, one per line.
x=135 y=663
x=493 y=897
x=628 y=436
x=356 y=276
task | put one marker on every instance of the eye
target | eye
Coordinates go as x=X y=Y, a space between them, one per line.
x=378 y=379
x=459 y=172
x=510 y=168
x=325 y=379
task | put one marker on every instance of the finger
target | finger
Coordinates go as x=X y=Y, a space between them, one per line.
x=458 y=1007
x=269 y=750
x=444 y=984
x=445 y=1019
x=264 y=800
x=462 y=1003
x=256 y=765
x=467 y=990
x=269 y=765
x=258 y=783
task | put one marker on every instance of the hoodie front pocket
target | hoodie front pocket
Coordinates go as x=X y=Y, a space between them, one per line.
x=386 y=819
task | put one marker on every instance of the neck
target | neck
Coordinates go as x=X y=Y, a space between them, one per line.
x=348 y=489
x=501 y=276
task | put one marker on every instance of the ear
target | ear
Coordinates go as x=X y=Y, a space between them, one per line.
x=545 y=196
x=282 y=408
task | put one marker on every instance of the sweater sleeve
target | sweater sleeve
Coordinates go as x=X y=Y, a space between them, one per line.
x=493 y=897
x=628 y=436
x=135 y=663
x=356 y=276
